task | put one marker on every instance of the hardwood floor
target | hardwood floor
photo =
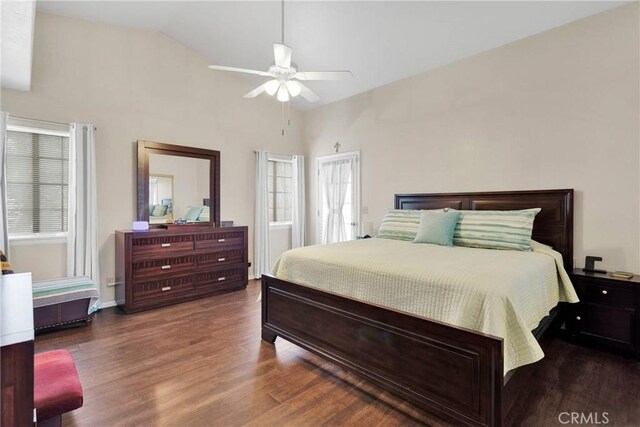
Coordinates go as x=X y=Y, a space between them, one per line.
x=203 y=363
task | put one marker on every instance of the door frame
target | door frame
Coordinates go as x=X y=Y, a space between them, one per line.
x=356 y=190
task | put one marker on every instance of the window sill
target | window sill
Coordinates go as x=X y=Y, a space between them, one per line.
x=37 y=239
x=279 y=225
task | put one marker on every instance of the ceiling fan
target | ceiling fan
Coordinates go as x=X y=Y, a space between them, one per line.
x=285 y=75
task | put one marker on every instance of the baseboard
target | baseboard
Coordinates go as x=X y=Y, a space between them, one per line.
x=108 y=304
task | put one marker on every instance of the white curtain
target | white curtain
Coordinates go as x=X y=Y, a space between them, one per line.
x=4 y=232
x=82 y=240
x=297 y=203
x=261 y=227
x=335 y=181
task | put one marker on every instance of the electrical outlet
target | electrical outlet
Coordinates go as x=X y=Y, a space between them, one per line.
x=365 y=210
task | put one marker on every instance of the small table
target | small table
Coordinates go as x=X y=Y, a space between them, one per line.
x=609 y=311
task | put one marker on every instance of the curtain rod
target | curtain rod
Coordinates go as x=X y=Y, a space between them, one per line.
x=45 y=121
x=38 y=120
x=276 y=154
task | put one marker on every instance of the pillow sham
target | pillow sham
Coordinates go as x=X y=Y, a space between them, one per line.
x=400 y=224
x=509 y=230
x=437 y=227
x=193 y=213
x=159 y=210
x=205 y=214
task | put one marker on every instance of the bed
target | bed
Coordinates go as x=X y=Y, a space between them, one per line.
x=452 y=371
x=64 y=302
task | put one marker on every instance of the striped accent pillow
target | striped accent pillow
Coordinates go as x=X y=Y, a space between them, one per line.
x=495 y=229
x=400 y=224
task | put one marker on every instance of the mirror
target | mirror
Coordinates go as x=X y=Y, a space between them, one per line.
x=178 y=182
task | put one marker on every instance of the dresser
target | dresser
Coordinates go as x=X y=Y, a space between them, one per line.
x=609 y=311
x=161 y=267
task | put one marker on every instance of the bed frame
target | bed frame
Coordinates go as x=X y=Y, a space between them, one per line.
x=449 y=371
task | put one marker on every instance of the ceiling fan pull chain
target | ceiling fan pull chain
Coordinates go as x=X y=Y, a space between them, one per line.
x=282 y=116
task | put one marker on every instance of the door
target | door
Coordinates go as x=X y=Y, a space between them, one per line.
x=338 y=197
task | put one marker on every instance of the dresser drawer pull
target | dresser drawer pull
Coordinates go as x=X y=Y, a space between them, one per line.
x=604 y=292
x=166 y=267
x=165 y=245
x=578 y=318
x=221 y=259
x=166 y=288
x=220 y=279
x=221 y=240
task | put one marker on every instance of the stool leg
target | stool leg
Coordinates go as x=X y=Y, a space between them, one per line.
x=51 y=422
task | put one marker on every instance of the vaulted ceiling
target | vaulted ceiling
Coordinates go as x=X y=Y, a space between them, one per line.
x=380 y=41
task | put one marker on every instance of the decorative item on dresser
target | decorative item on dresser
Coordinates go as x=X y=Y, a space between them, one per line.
x=608 y=312
x=163 y=267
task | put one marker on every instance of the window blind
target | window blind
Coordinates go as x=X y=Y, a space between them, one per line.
x=37 y=182
x=280 y=187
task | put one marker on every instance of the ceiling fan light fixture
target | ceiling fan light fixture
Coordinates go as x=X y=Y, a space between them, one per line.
x=271 y=87
x=294 y=88
x=283 y=94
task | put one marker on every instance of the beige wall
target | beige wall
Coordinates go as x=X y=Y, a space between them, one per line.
x=135 y=84
x=279 y=242
x=44 y=261
x=556 y=110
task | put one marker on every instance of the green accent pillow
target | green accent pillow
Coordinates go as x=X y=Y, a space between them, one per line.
x=400 y=224
x=159 y=210
x=437 y=227
x=495 y=229
x=193 y=213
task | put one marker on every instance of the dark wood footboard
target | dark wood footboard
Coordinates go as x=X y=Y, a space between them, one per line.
x=448 y=371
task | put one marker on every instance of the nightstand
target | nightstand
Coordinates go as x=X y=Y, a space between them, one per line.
x=609 y=311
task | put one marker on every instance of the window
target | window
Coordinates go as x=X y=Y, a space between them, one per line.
x=37 y=180
x=280 y=187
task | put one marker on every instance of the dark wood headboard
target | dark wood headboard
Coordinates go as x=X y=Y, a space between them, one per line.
x=553 y=226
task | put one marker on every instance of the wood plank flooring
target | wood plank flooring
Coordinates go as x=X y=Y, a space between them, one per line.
x=202 y=363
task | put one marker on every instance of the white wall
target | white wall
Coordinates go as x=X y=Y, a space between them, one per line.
x=556 y=110
x=279 y=242
x=135 y=84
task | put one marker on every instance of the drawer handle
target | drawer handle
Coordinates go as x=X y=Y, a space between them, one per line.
x=604 y=292
x=221 y=259
x=166 y=267
x=166 y=288
x=578 y=318
x=165 y=245
x=220 y=279
x=221 y=240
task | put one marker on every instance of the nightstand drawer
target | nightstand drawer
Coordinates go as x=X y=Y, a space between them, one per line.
x=610 y=325
x=603 y=293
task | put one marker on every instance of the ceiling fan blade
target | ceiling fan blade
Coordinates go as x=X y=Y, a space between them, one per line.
x=240 y=70
x=257 y=91
x=323 y=75
x=308 y=94
x=282 y=55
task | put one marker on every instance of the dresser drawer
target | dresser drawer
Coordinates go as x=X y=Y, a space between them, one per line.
x=220 y=279
x=220 y=258
x=163 y=266
x=219 y=239
x=159 y=290
x=600 y=292
x=159 y=246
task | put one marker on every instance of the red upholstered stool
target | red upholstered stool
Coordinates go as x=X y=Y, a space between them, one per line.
x=57 y=386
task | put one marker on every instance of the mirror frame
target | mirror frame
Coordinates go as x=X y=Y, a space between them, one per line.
x=149 y=147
